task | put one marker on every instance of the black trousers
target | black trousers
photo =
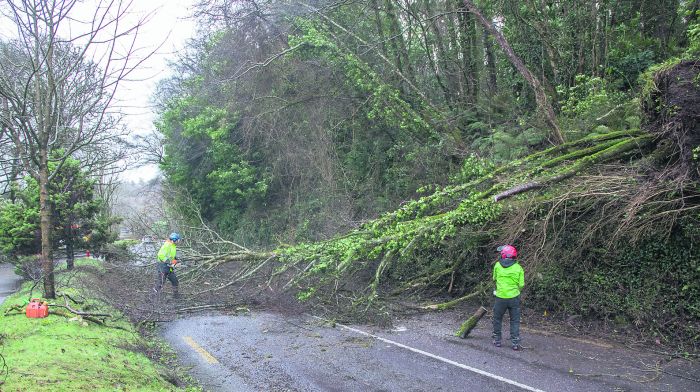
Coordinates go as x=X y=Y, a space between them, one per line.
x=499 y=309
x=165 y=272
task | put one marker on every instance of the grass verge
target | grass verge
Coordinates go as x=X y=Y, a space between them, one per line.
x=63 y=352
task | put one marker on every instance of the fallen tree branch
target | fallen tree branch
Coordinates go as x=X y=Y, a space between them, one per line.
x=72 y=299
x=88 y=318
x=528 y=186
x=446 y=305
x=613 y=151
x=421 y=281
x=78 y=312
x=18 y=308
x=239 y=278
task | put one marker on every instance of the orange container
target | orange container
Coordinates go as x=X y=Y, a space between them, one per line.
x=37 y=309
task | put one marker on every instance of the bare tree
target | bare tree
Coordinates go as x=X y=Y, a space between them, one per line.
x=149 y=148
x=59 y=87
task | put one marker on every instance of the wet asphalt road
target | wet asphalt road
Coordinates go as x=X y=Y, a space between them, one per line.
x=9 y=282
x=272 y=352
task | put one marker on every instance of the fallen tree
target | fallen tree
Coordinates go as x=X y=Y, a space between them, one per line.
x=429 y=245
x=595 y=195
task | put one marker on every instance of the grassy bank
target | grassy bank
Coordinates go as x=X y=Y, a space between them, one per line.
x=64 y=352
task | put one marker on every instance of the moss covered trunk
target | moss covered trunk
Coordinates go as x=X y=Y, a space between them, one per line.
x=471 y=322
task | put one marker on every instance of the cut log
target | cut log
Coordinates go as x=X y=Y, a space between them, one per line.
x=517 y=189
x=471 y=322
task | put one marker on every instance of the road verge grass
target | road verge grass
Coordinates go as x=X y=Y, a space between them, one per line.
x=65 y=352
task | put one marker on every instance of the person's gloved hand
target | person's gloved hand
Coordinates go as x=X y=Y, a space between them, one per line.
x=173 y=262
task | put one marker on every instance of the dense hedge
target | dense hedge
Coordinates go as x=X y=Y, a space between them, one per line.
x=652 y=286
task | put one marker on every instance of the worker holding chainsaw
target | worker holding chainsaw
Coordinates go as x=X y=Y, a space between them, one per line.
x=167 y=259
x=510 y=279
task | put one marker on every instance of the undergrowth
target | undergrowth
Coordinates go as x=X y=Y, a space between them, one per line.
x=440 y=246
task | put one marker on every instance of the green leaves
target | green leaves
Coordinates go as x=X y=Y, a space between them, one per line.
x=203 y=159
x=18 y=225
x=73 y=204
x=385 y=102
x=694 y=36
x=239 y=181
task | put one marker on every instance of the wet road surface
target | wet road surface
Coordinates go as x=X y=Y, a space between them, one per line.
x=273 y=352
x=9 y=282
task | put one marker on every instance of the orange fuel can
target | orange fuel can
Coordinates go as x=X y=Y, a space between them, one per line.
x=37 y=309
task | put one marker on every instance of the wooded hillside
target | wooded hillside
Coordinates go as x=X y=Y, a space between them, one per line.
x=400 y=141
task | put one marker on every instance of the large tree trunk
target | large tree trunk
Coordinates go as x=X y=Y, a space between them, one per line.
x=15 y=172
x=45 y=214
x=69 y=246
x=380 y=27
x=397 y=41
x=434 y=56
x=441 y=53
x=535 y=83
x=490 y=65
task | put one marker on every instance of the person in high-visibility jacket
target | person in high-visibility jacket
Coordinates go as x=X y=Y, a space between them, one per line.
x=510 y=280
x=167 y=259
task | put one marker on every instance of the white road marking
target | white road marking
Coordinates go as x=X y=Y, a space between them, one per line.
x=439 y=358
x=204 y=353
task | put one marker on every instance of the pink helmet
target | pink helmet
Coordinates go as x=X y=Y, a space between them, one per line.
x=508 y=251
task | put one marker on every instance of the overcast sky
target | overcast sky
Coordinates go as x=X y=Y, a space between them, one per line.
x=166 y=32
x=170 y=26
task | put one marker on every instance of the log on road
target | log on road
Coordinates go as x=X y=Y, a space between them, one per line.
x=471 y=322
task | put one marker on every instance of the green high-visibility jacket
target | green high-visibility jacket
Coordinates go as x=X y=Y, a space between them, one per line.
x=167 y=252
x=509 y=277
